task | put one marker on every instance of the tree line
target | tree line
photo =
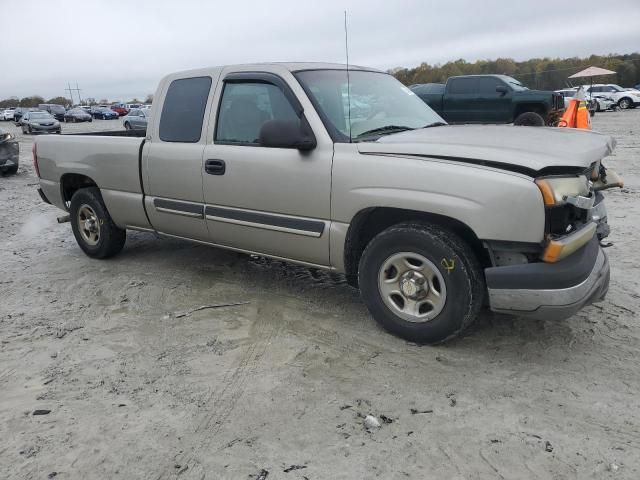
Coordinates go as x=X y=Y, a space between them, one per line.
x=35 y=100
x=538 y=73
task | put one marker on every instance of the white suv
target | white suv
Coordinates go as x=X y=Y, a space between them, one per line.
x=624 y=98
x=7 y=114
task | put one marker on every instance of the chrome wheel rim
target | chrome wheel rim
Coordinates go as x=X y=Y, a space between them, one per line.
x=88 y=225
x=624 y=103
x=412 y=287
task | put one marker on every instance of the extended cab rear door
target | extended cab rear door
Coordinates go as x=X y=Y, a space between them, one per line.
x=274 y=201
x=172 y=157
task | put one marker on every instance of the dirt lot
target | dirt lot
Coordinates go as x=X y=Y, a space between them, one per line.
x=280 y=384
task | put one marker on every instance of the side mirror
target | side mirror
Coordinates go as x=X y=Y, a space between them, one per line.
x=502 y=90
x=287 y=134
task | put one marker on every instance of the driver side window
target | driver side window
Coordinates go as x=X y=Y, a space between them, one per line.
x=245 y=107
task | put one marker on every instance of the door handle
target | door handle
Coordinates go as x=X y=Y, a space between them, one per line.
x=215 y=167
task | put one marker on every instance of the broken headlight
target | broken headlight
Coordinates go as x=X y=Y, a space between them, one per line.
x=557 y=190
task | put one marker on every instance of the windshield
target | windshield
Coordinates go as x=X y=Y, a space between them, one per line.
x=380 y=104
x=57 y=108
x=39 y=115
x=617 y=88
x=515 y=84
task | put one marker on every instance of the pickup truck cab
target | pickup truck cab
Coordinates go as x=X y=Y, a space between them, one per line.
x=350 y=171
x=491 y=99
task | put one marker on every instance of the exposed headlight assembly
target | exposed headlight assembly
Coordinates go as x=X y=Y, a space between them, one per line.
x=559 y=190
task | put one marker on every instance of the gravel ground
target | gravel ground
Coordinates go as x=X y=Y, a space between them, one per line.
x=282 y=383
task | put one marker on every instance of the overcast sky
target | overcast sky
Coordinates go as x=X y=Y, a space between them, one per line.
x=118 y=49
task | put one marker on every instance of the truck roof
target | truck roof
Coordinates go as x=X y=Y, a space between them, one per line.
x=291 y=66
x=482 y=75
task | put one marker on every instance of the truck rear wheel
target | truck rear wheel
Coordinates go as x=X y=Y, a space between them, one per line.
x=529 y=119
x=421 y=282
x=92 y=225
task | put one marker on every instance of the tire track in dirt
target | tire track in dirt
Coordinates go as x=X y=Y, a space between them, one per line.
x=220 y=404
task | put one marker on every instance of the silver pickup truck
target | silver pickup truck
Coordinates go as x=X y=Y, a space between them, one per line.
x=350 y=171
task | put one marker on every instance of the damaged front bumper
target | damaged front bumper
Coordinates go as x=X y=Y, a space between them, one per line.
x=550 y=291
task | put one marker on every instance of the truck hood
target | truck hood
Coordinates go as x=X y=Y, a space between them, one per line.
x=528 y=150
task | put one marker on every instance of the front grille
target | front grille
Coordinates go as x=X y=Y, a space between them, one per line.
x=558 y=101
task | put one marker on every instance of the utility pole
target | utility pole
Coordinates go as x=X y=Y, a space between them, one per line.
x=78 y=91
x=69 y=89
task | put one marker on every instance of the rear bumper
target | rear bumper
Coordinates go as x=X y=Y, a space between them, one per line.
x=550 y=291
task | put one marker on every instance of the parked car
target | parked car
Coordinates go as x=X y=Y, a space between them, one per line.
x=77 y=115
x=7 y=113
x=120 y=109
x=9 y=152
x=569 y=94
x=624 y=98
x=136 y=119
x=86 y=108
x=104 y=113
x=428 y=219
x=57 y=111
x=40 y=122
x=492 y=99
x=604 y=102
x=129 y=106
x=19 y=112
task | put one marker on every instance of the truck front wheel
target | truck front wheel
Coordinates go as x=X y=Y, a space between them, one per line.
x=529 y=119
x=92 y=225
x=421 y=282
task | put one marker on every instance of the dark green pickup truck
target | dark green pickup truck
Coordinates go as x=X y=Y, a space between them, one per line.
x=490 y=99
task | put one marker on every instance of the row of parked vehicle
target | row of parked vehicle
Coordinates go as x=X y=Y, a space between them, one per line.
x=47 y=117
x=603 y=97
x=75 y=114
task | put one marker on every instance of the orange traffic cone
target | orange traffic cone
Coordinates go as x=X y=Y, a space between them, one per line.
x=577 y=114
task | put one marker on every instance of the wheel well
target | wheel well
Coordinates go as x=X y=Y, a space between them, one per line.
x=369 y=222
x=70 y=183
x=530 y=107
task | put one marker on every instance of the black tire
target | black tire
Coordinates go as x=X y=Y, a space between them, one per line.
x=127 y=126
x=529 y=119
x=30 y=130
x=463 y=279
x=111 y=238
x=12 y=170
x=625 y=103
x=592 y=113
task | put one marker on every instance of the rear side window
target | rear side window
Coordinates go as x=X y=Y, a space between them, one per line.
x=463 y=85
x=183 y=110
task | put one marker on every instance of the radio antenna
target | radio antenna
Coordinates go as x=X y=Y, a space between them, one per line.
x=346 y=49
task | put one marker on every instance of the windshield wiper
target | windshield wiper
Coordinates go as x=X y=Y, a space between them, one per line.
x=385 y=129
x=436 y=124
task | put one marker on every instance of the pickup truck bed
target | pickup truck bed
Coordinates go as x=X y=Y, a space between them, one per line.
x=113 y=163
